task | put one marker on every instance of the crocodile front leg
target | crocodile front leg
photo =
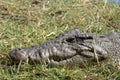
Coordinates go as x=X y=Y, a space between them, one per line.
x=81 y=59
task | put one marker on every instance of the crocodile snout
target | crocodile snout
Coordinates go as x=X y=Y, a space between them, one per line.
x=19 y=54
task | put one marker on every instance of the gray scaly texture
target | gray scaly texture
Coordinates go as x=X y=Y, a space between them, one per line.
x=72 y=47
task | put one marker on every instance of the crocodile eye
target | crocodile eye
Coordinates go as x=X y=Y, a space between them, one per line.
x=18 y=49
x=102 y=36
x=70 y=40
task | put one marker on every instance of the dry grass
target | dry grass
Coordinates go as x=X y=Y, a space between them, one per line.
x=30 y=22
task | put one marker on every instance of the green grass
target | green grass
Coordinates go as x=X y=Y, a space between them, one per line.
x=27 y=22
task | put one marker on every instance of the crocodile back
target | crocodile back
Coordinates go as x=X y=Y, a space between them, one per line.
x=111 y=44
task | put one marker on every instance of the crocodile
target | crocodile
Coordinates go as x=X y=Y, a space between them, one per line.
x=72 y=47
